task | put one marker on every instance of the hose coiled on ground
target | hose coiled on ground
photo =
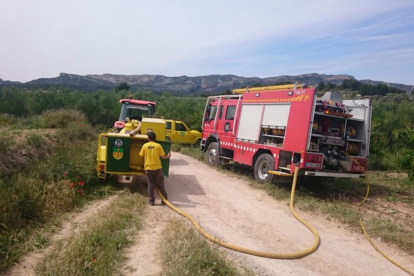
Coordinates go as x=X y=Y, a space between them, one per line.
x=287 y=256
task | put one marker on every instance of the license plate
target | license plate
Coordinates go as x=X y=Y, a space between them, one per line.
x=312 y=165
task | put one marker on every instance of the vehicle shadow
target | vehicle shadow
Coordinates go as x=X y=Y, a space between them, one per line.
x=178 y=162
x=183 y=190
x=135 y=184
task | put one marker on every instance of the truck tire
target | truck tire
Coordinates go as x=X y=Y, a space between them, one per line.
x=264 y=163
x=212 y=155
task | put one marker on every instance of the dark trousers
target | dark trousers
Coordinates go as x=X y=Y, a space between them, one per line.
x=155 y=179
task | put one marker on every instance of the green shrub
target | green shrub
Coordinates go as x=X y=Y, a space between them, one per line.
x=27 y=203
x=20 y=148
x=190 y=150
x=77 y=131
x=6 y=142
x=176 y=147
x=35 y=140
x=59 y=118
x=8 y=119
x=381 y=162
x=54 y=118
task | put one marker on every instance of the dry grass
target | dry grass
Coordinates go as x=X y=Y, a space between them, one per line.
x=20 y=149
x=98 y=247
x=185 y=252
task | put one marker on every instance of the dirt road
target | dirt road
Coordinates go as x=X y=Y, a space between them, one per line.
x=229 y=209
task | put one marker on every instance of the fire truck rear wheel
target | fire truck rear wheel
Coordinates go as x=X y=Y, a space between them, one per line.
x=212 y=156
x=264 y=163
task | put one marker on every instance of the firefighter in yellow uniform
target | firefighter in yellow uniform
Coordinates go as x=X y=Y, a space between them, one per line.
x=152 y=152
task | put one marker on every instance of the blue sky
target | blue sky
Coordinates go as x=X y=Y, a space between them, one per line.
x=371 y=39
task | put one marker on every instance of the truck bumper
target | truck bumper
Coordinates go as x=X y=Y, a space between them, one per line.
x=334 y=174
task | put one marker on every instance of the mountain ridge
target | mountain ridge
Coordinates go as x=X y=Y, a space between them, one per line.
x=184 y=84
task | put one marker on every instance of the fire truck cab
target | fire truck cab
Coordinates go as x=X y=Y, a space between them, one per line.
x=276 y=128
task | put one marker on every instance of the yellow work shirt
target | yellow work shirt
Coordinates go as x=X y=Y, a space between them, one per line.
x=152 y=153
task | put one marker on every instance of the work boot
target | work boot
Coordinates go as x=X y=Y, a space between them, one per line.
x=151 y=203
x=162 y=202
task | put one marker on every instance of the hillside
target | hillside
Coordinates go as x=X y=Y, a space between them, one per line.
x=182 y=84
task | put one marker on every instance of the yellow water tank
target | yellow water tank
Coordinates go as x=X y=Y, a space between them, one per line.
x=136 y=162
x=156 y=125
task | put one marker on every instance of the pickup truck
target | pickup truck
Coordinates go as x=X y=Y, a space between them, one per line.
x=178 y=132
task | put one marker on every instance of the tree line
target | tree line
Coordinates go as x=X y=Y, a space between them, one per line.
x=100 y=107
x=362 y=88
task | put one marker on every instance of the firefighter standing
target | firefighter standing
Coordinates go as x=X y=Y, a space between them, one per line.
x=152 y=152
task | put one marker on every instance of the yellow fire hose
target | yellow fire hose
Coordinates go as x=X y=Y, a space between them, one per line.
x=363 y=227
x=287 y=256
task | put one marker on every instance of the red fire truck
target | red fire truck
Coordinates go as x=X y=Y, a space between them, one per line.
x=275 y=128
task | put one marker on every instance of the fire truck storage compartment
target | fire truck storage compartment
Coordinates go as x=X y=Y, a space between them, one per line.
x=265 y=124
x=341 y=133
x=250 y=121
x=361 y=122
x=273 y=135
x=273 y=129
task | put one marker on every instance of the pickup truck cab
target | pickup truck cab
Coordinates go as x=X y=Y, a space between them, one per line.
x=178 y=132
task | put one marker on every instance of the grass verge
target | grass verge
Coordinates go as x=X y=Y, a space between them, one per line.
x=47 y=173
x=190 y=150
x=98 y=247
x=185 y=252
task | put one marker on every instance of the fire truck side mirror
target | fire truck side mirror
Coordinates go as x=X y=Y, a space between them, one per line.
x=207 y=115
x=208 y=111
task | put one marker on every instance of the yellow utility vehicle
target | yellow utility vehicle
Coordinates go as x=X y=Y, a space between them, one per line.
x=178 y=132
x=118 y=152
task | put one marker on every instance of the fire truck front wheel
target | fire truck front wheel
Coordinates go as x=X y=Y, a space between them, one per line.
x=212 y=156
x=264 y=163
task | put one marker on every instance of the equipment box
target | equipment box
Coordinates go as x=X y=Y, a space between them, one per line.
x=122 y=154
x=117 y=154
